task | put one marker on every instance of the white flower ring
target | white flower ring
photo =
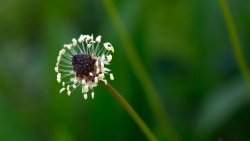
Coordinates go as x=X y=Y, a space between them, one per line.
x=83 y=63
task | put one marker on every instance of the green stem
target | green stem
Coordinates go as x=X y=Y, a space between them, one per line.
x=145 y=129
x=141 y=74
x=235 y=42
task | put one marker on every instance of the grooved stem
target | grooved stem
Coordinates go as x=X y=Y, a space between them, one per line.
x=133 y=114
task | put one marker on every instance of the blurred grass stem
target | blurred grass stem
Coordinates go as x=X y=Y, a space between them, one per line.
x=235 y=43
x=141 y=74
x=145 y=129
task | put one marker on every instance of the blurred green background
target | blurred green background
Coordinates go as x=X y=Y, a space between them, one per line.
x=183 y=45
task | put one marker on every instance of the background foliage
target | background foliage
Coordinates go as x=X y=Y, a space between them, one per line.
x=184 y=46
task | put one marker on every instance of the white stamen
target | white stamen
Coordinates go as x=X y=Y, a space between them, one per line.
x=72 y=79
x=85 y=89
x=67 y=46
x=92 y=42
x=81 y=38
x=109 y=58
x=97 y=63
x=62 y=51
x=89 y=45
x=83 y=82
x=75 y=81
x=98 y=39
x=108 y=46
x=92 y=85
x=102 y=64
x=59 y=58
x=74 y=42
x=61 y=90
x=74 y=86
x=101 y=76
x=69 y=92
x=102 y=57
x=68 y=88
x=59 y=77
x=105 y=70
x=97 y=71
x=105 y=82
x=111 y=76
x=92 y=95
x=56 y=69
x=96 y=80
x=85 y=96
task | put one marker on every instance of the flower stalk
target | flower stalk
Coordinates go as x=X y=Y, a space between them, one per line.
x=145 y=129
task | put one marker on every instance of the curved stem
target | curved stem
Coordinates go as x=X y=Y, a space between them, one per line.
x=169 y=132
x=145 y=129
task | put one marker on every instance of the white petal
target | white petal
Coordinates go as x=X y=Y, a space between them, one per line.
x=63 y=83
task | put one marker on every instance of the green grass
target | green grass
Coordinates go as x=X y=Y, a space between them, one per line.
x=236 y=43
x=141 y=73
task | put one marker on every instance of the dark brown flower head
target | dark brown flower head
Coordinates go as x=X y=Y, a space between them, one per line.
x=83 y=63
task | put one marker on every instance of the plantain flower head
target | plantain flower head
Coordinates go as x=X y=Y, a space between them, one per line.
x=84 y=63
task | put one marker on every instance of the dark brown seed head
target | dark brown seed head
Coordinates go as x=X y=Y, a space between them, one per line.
x=83 y=64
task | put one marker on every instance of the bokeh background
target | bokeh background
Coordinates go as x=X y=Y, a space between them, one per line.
x=184 y=47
